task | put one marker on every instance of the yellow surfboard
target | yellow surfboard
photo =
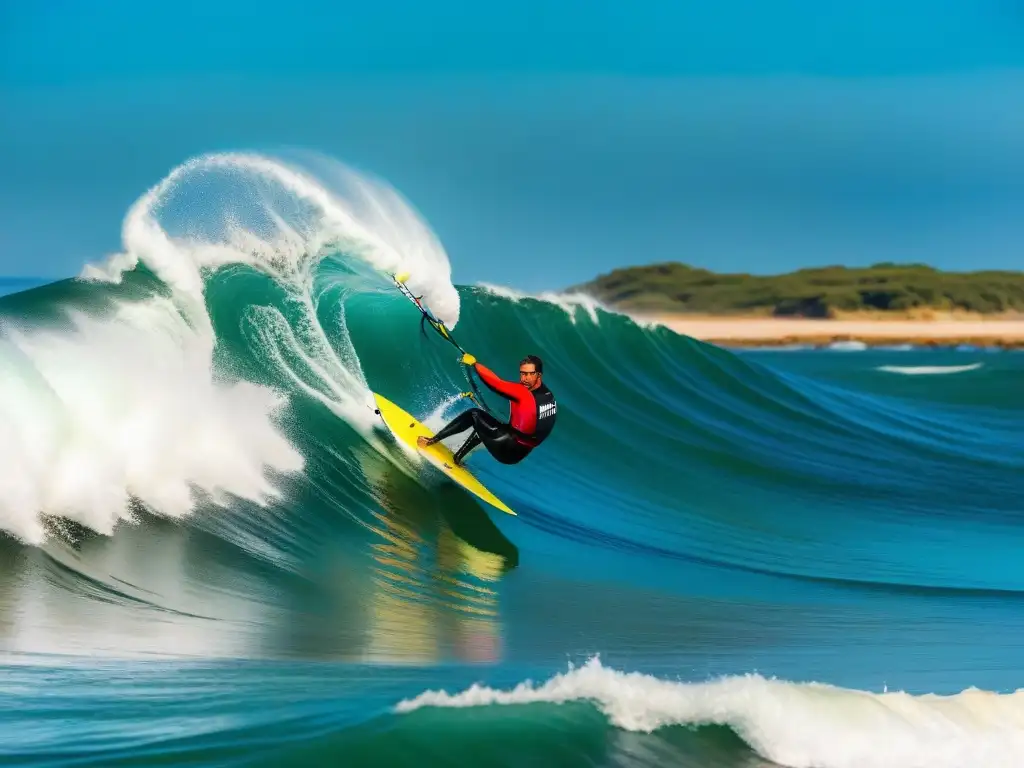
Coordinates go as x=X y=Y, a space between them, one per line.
x=406 y=428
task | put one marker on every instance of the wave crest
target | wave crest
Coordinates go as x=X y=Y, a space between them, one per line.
x=242 y=208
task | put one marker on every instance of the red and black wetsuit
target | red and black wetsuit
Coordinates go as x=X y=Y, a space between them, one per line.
x=531 y=419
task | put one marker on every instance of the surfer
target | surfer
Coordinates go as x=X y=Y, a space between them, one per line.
x=531 y=415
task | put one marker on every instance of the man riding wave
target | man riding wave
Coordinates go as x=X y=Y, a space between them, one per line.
x=531 y=415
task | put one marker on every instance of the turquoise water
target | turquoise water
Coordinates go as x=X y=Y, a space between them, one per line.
x=213 y=555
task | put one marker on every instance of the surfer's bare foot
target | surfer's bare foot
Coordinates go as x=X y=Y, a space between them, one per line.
x=422 y=441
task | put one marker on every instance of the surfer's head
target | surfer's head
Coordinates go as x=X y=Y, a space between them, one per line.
x=531 y=371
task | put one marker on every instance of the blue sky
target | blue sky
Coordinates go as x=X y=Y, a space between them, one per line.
x=544 y=142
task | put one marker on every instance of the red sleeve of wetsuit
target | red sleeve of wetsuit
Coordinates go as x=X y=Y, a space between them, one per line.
x=511 y=390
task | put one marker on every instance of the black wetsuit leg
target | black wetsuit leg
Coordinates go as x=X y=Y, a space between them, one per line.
x=460 y=423
x=472 y=442
x=496 y=436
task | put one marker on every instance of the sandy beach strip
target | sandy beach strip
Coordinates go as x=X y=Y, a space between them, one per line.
x=970 y=330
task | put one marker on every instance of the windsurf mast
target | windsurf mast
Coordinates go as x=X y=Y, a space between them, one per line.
x=428 y=317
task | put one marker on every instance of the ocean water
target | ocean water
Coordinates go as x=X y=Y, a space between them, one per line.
x=212 y=555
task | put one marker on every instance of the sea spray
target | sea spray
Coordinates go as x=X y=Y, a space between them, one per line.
x=280 y=220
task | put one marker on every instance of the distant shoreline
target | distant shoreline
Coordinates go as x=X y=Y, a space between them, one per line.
x=810 y=300
x=1004 y=332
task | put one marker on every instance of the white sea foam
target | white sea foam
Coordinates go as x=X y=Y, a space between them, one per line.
x=126 y=406
x=800 y=725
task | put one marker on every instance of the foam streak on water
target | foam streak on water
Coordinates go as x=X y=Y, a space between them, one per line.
x=929 y=370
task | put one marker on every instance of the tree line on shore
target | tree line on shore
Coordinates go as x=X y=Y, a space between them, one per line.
x=819 y=292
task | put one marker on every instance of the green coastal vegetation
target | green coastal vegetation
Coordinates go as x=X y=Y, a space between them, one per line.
x=819 y=292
